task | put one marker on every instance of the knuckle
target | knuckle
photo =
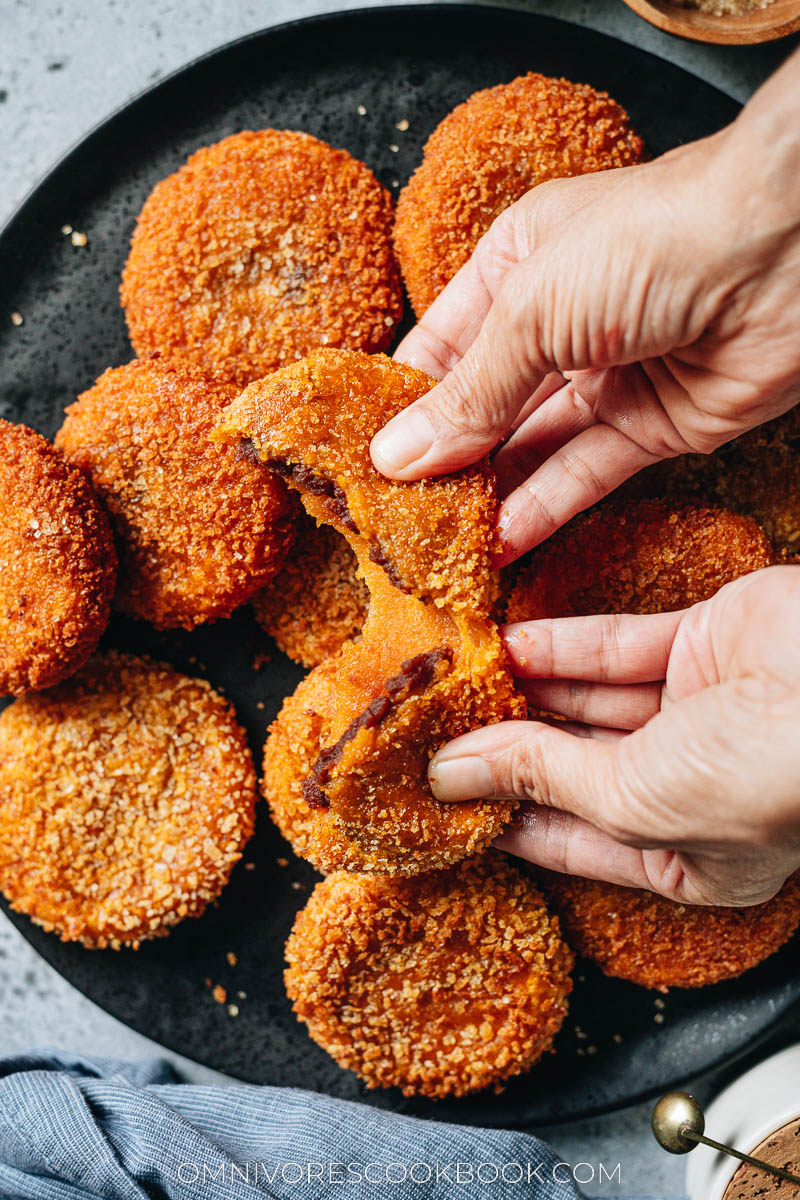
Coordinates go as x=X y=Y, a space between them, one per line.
x=545 y=518
x=498 y=250
x=512 y=304
x=578 y=699
x=526 y=769
x=441 y=352
x=463 y=405
x=610 y=644
x=544 y=208
x=581 y=412
x=587 y=481
x=555 y=846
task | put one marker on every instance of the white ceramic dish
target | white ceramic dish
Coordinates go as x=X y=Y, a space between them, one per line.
x=749 y=1110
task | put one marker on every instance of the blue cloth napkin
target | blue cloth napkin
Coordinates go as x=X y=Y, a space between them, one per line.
x=74 y=1128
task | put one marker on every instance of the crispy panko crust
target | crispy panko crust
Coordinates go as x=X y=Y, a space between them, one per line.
x=429 y=665
x=439 y=985
x=126 y=797
x=659 y=944
x=642 y=557
x=316 y=602
x=757 y=474
x=198 y=531
x=487 y=153
x=260 y=248
x=58 y=567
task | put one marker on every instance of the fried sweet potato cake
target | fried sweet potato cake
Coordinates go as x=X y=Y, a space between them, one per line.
x=640 y=557
x=316 y=602
x=198 y=531
x=429 y=664
x=439 y=985
x=486 y=154
x=260 y=248
x=126 y=797
x=757 y=474
x=652 y=941
x=57 y=564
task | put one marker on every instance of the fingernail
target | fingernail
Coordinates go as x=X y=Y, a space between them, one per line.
x=503 y=552
x=460 y=779
x=403 y=441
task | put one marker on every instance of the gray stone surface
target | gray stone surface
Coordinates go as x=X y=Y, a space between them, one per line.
x=63 y=67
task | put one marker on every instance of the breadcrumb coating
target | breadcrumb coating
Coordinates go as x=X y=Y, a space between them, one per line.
x=198 y=531
x=652 y=941
x=757 y=474
x=313 y=422
x=439 y=985
x=316 y=602
x=126 y=797
x=260 y=248
x=486 y=154
x=640 y=557
x=429 y=664
x=57 y=564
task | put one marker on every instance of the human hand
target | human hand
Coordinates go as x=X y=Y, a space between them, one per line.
x=684 y=774
x=610 y=321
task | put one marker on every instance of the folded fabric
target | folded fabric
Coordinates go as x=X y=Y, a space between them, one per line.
x=74 y=1128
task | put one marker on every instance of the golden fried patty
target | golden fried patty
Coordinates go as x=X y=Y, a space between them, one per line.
x=439 y=985
x=429 y=664
x=757 y=474
x=638 y=557
x=652 y=941
x=126 y=797
x=198 y=531
x=258 y=249
x=57 y=564
x=316 y=602
x=486 y=154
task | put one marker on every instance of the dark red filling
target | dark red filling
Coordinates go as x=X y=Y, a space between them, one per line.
x=378 y=555
x=246 y=451
x=317 y=485
x=415 y=675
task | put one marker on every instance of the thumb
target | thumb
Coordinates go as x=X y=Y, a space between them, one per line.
x=684 y=780
x=473 y=331
x=474 y=407
x=644 y=810
x=529 y=760
x=671 y=782
x=592 y=293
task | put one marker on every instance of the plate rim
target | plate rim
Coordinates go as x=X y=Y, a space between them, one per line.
x=331 y=17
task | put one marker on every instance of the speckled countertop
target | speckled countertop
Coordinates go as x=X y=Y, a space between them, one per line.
x=63 y=68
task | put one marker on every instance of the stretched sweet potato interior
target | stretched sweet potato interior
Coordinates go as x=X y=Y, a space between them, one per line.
x=346 y=762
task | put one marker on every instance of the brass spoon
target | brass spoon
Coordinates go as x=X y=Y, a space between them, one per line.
x=679 y=1126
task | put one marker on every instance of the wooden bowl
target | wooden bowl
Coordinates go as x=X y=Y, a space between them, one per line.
x=759 y=25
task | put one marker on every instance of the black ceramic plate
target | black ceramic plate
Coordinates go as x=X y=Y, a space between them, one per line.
x=409 y=64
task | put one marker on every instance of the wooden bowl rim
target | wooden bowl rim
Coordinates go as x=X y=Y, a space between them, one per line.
x=726 y=30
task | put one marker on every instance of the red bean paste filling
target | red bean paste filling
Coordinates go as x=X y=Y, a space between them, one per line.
x=378 y=555
x=415 y=676
x=319 y=485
